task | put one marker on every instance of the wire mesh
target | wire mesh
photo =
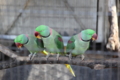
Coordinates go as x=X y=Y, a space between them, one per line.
x=67 y=17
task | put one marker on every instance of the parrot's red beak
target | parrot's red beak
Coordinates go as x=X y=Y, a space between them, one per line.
x=19 y=45
x=94 y=37
x=37 y=35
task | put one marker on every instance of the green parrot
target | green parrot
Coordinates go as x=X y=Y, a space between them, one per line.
x=53 y=42
x=33 y=44
x=79 y=43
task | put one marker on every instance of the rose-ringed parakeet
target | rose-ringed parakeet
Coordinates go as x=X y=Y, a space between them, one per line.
x=79 y=43
x=52 y=41
x=33 y=44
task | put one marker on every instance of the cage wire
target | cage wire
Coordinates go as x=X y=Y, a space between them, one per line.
x=67 y=17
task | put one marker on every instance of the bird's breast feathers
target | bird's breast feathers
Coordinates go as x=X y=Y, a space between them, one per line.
x=82 y=45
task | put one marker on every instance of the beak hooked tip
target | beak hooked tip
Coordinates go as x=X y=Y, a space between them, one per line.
x=38 y=37
x=20 y=46
x=94 y=37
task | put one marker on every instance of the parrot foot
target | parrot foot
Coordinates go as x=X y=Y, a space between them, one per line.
x=58 y=56
x=70 y=56
x=30 y=55
x=82 y=57
x=33 y=56
x=47 y=57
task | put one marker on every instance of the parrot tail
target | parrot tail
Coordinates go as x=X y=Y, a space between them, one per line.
x=44 y=52
x=70 y=69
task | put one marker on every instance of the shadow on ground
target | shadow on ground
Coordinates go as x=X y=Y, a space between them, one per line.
x=58 y=72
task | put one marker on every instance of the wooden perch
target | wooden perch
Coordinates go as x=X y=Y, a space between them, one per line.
x=113 y=41
x=94 y=64
x=100 y=63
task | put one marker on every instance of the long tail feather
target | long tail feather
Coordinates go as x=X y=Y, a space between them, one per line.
x=70 y=69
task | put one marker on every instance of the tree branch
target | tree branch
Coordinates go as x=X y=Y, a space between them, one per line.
x=11 y=54
x=113 y=41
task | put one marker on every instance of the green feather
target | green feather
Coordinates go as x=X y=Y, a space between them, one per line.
x=71 y=45
x=75 y=44
x=33 y=44
x=43 y=30
x=21 y=39
x=53 y=43
x=87 y=34
x=59 y=42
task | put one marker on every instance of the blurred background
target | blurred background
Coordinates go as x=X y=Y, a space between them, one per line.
x=68 y=17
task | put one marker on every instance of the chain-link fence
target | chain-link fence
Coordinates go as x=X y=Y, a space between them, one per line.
x=67 y=17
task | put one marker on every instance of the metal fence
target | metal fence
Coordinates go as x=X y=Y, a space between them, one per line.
x=68 y=17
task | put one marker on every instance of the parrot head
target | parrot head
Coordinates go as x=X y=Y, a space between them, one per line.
x=42 y=31
x=88 y=34
x=20 y=40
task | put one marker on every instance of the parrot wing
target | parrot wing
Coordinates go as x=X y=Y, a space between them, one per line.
x=59 y=42
x=40 y=43
x=60 y=45
x=70 y=45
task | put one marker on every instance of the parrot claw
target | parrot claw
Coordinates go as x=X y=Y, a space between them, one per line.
x=47 y=57
x=30 y=55
x=58 y=56
x=82 y=57
x=33 y=56
x=70 y=56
